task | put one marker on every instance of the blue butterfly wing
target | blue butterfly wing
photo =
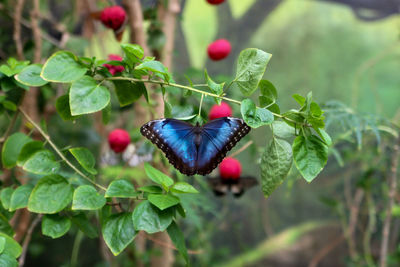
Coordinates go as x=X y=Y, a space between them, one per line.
x=217 y=138
x=176 y=139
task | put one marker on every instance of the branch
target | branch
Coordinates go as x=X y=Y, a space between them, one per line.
x=40 y=130
x=28 y=239
x=392 y=192
x=240 y=150
x=17 y=29
x=200 y=92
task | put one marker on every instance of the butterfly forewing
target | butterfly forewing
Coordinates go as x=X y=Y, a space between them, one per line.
x=218 y=137
x=179 y=141
x=176 y=139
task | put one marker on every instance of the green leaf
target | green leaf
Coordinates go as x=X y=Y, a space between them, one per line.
x=216 y=88
x=51 y=194
x=156 y=67
x=5 y=226
x=128 y=92
x=84 y=225
x=283 y=130
x=42 y=162
x=8 y=261
x=121 y=188
x=118 y=232
x=310 y=156
x=106 y=114
x=167 y=110
x=182 y=187
x=55 y=226
x=12 y=148
x=150 y=219
x=251 y=66
x=86 y=197
x=324 y=135
x=9 y=105
x=276 y=162
x=63 y=108
x=157 y=176
x=163 y=201
x=133 y=52
x=178 y=239
x=253 y=116
x=7 y=84
x=2 y=243
x=154 y=189
x=5 y=197
x=87 y=96
x=85 y=158
x=28 y=150
x=299 y=99
x=14 y=67
x=267 y=89
x=30 y=76
x=63 y=67
x=11 y=247
x=293 y=115
x=20 y=197
x=315 y=110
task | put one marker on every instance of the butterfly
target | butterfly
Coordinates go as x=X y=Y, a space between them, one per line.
x=195 y=149
x=237 y=187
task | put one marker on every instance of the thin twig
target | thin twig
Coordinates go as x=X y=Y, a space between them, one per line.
x=200 y=92
x=10 y=127
x=354 y=211
x=325 y=251
x=17 y=29
x=392 y=192
x=240 y=150
x=168 y=245
x=27 y=239
x=40 y=130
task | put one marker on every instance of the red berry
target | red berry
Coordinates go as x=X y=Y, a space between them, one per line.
x=215 y=2
x=114 y=69
x=219 y=111
x=118 y=140
x=230 y=168
x=219 y=49
x=113 y=17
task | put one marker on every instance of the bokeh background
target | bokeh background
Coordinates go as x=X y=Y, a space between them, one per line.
x=346 y=52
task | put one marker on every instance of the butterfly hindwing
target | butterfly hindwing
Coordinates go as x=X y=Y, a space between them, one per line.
x=175 y=139
x=237 y=187
x=218 y=137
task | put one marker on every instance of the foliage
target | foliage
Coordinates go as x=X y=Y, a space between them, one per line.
x=124 y=208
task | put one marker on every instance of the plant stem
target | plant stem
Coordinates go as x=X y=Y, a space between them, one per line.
x=40 y=130
x=28 y=239
x=75 y=248
x=201 y=103
x=392 y=181
x=197 y=91
x=10 y=127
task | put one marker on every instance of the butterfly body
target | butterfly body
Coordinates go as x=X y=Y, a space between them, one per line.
x=195 y=149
